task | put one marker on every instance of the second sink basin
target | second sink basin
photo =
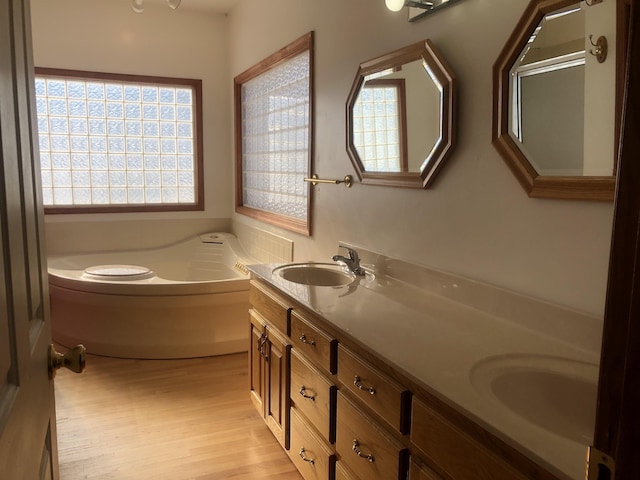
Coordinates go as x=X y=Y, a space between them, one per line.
x=556 y=394
x=315 y=274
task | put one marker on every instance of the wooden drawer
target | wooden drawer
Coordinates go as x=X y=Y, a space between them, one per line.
x=365 y=448
x=270 y=305
x=455 y=452
x=342 y=473
x=316 y=344
x=313 y=459
x=314 y=396
x=418 y=471
x=383 y=395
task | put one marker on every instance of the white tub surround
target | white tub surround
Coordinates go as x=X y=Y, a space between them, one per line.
x=487 y=352
x=189 y=299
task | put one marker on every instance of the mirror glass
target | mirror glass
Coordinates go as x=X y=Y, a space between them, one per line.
x=400 y=117
x=547 y=95
x=556 y=102
x=396 y=118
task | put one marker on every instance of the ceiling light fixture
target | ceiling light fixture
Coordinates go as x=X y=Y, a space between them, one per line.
x=138 y=5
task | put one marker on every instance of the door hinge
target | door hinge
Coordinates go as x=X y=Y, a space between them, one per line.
x=600 y=466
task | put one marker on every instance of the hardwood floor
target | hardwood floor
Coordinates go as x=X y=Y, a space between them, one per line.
x=164 y=419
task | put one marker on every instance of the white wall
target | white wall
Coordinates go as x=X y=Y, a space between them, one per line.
x=106 y=36
x=476 y=220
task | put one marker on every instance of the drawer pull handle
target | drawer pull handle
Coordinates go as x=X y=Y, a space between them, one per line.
x=303 y=392
x=356 y=449
x=261 y=343
x=303 y=457
x=303 y=339
x=356 y=382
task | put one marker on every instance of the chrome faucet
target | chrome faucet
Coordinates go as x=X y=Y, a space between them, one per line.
x=352 y=263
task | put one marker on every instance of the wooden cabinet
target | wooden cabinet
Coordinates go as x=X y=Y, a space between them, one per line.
x=314 y=396
x=311 y=341
x=271 y=306
x=276 y=408
x=365 y=447
x=342 y=473
x=344 y=414
x=460 y=456
x=379 y=392
x=419 y=471
x=257 y=361
x=309 y=452
x=269 y=371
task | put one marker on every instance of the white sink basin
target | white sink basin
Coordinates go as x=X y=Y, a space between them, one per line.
x=556 y=394
x=315 y=274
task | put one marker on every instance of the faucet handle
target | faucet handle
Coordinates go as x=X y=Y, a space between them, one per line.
x=353 y=255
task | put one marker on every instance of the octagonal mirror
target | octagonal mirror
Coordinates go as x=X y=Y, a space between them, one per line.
x=556 y=104
x=401 y=117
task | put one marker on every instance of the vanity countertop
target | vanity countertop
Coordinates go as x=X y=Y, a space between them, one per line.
x=482 y=355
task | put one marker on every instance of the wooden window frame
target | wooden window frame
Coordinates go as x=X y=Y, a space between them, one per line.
x=301 y=45
x=196 y=85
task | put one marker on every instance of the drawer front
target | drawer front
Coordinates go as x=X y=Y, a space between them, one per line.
x=342 y=473
x=313 y=459
x=454 y=451
x=316 y=344
x=417 y=471
x=383 y=395
x=314 y=396
x=270 y=305
x=365 y=448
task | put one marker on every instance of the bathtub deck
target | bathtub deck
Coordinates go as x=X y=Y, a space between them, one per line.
x=164 y=419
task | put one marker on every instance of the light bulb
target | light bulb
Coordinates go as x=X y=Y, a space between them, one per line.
x=137 y=6
x=394 y=5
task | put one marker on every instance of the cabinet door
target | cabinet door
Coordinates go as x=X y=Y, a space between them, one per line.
x=257 y=363
x=277 y=393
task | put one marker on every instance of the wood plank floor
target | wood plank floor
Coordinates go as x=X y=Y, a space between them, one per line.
x=164 y=419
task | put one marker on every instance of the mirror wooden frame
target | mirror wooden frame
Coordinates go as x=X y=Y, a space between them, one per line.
x=418 y=51
x=541 y=186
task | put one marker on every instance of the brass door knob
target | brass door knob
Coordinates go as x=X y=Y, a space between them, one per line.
x=73 y=359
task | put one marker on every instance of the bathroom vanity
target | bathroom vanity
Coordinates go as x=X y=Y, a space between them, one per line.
x=410 y=373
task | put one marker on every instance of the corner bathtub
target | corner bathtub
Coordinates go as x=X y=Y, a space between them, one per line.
x=186 y=300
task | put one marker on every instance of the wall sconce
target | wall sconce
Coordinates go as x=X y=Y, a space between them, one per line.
x=418 y=8
x=397 y=5
x=138 y=5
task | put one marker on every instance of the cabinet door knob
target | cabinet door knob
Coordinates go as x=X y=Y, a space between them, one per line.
x=303 y=392
x=356 y=449
x=303 y=339
x=356 y=383
x=303 y=457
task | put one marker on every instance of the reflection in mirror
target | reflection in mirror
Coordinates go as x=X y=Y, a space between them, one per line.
x=547 y=94
x=555 y=112
x=400 y=117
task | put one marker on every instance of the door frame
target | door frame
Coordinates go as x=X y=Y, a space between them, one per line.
x=617 y=431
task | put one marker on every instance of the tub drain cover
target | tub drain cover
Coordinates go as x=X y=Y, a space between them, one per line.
x=118 y=272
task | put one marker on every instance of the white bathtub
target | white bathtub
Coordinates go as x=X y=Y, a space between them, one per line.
x=186 y=300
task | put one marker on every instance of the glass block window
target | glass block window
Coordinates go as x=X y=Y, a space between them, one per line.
x=273 y=137
x=377 y=120
x=118 y=142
